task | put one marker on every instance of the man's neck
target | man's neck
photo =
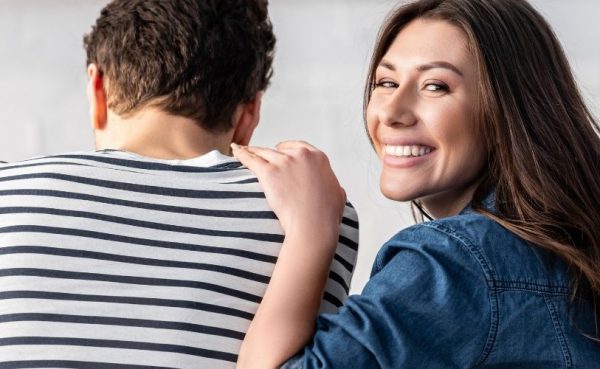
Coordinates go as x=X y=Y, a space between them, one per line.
x=156 y=134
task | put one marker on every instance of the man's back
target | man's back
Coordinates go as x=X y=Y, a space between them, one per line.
x=108 y=259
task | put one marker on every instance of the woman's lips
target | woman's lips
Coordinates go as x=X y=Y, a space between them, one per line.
x=406 y=156
x=406 y=151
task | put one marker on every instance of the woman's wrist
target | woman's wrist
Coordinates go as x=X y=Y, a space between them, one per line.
x=315 y=226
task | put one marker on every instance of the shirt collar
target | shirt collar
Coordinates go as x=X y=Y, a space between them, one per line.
x=488 y=203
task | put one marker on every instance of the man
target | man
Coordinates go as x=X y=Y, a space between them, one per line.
x=154 y=250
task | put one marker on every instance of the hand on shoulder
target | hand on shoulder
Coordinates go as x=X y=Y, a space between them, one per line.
x=299 y=185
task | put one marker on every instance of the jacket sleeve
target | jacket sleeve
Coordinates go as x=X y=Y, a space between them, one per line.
x=427 y=305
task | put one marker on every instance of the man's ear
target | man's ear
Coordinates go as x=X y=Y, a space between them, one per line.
x=97 y=98
x=246 y=120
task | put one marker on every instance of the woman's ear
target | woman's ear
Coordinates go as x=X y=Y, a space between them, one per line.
x=246 y=119
x=97 y=98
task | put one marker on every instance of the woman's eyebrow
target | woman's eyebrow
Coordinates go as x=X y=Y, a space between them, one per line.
x=425 y=67
x=439 y=64
x=387 y=65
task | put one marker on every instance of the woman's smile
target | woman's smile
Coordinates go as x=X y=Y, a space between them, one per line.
x=407 y=151
x=406 y=156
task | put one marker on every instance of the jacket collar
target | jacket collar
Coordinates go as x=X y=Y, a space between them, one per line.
x=488 y=203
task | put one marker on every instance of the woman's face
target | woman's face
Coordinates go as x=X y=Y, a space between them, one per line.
x=421 y=118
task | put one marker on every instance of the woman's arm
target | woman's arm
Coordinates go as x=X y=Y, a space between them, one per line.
x=308 y=200
x=428 y=304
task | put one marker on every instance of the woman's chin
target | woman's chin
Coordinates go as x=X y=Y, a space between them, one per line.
x=397 y=194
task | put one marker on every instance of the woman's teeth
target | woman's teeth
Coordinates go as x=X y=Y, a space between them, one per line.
x=407 y=151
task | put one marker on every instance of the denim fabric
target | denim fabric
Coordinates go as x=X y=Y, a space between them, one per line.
x=460 y=292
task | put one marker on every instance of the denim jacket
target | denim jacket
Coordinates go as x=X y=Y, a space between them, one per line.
x=459 y=292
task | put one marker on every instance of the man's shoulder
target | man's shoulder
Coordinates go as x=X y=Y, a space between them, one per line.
x=32 y=162
x=67 y=162
x=37 y=158
x=105 y=172
x=349 y=232
x=115 y=160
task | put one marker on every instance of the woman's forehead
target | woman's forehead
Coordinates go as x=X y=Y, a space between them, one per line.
x=427 y=40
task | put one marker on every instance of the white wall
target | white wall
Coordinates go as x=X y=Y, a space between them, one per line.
x=322 y=56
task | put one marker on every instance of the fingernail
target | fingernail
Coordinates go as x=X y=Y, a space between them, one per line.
x=235 y=146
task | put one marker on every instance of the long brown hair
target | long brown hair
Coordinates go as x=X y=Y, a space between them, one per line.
x=543 y=143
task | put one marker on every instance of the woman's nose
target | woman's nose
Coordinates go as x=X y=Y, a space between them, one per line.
x=398 y=110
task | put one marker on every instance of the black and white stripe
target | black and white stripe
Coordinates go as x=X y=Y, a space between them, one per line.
x=109 y=260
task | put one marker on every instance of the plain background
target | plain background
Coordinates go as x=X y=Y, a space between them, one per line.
x=316 y=93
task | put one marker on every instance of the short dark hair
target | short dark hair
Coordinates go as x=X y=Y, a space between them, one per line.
x=194 y=58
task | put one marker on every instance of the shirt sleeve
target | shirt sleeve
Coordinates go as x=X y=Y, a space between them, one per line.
x=427 y=305
x=342 y=265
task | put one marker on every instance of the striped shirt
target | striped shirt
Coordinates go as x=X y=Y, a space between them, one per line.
x=112 y=260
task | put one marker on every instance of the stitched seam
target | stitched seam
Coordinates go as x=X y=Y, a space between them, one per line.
x=536 y=287
x=469 y=245
x=493 y=332
x=559 y=333
x=378 y=265
x=490 y=280
x=524 y=289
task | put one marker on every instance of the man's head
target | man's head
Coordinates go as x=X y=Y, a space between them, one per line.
x=198 y=59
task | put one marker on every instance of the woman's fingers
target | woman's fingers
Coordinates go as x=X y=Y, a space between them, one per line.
x=252 y=161
x=273 y=156
x=265 y=153
x=295 y=145
x=248 y=154
x=298 y=182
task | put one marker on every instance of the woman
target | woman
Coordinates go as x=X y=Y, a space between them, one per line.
x=474 y=112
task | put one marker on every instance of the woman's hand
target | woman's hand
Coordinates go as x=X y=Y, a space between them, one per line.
x=299 y=184
x=306 y=196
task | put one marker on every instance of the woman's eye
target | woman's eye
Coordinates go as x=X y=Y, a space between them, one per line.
x=436 y=87
x=386 y=84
